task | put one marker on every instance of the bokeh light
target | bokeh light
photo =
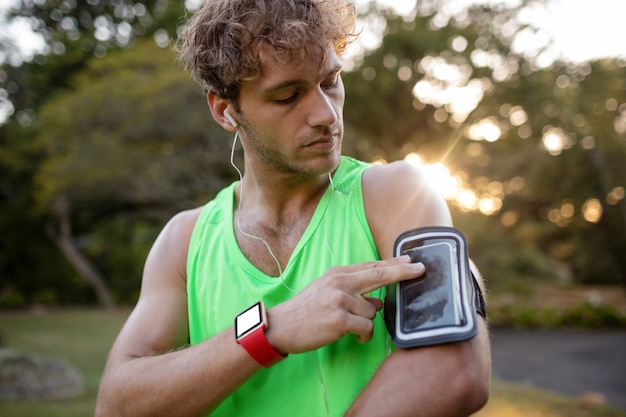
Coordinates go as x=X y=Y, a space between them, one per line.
x=480 y=195
x=592 y=210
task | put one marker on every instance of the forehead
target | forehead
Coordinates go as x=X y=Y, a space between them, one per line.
x=309 y=69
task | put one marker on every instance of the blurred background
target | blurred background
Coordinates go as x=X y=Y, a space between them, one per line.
x=516 y=109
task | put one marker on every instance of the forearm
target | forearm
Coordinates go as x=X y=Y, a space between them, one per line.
x=187 y=382
x=450 y=380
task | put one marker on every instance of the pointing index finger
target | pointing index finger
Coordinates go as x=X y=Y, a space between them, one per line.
x=370 y=276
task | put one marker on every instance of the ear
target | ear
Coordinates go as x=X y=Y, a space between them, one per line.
x=218 y=106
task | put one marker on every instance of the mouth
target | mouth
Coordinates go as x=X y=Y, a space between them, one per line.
x=323 y=142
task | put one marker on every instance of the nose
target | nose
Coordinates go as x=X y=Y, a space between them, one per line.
x=325 y=108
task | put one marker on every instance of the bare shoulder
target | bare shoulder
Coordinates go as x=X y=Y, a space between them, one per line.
x=394 y=176
x=399 y=197
x=171 y=246
x=181 y=225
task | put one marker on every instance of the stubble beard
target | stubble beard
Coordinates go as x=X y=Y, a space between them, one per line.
x=278 y=161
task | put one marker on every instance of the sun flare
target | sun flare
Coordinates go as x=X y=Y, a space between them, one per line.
x=477 y=195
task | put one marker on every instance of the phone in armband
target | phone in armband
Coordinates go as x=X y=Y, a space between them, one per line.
x=441 y=305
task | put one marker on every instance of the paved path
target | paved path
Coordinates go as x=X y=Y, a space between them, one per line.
x=569 y=362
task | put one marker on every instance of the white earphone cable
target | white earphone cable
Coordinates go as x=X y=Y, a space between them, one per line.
x=269 y=249
x=316 y=364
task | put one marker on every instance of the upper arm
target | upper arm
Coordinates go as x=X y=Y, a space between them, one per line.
x=158 y=322
x=397 y=198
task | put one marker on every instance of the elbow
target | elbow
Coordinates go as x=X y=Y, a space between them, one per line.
x=472 y=392
x=101 y=410
x=474 y=378
x=106 y=404
x=108 y=409
x=471 y=386
x=102 y=407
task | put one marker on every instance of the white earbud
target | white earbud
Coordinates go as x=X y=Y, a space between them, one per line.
x=230 y=118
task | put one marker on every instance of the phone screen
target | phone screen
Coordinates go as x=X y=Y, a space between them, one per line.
x=431 y=300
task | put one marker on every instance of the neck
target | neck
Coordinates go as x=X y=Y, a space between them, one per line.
x=269 y=225
x=274 y=202
x=272 y=213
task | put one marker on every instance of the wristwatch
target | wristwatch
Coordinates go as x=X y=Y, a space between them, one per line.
x=250 y=326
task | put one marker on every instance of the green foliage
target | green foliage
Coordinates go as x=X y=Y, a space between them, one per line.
x=594 y=317
x=30 y=265
x=10 y=298
x=584 y=315
x=110 y=129
x=133 y=132
x=75 y=32
x=32 y=269
x=507 y=261
x=582 y=106
x=120 y=247
x=130 y=145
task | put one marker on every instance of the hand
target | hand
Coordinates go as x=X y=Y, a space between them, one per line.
x=334 y=305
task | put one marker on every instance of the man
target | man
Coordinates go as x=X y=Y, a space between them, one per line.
x=306 y=231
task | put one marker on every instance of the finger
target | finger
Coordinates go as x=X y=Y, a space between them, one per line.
x=362 y=328
x=362 y=306
x=377 y=276
x=373 y=264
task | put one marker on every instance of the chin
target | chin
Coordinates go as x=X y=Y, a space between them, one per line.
x=317 y=164
x=329 y=163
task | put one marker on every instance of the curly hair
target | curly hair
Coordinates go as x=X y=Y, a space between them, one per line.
x=220 y=43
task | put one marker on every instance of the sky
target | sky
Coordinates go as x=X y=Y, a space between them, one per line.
x=584 y=29
x=581 y=29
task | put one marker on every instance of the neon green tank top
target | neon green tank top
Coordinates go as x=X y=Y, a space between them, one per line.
x=221 y=283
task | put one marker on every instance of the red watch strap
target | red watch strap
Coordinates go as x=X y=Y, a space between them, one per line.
x=259 y=348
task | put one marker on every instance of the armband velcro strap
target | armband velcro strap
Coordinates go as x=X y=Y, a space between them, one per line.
x=481 y=307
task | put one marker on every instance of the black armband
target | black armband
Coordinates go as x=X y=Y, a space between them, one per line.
x=441 y=305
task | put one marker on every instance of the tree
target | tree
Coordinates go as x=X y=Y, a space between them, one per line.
x=74 y=32
x=109 y=138
x=537 y=149
x=132 y=136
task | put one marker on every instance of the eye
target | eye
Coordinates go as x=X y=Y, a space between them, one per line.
x=288 y=100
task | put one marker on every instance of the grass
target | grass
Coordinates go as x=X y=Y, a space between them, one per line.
x=514 y=400
x=557 y=305
x=84 y=338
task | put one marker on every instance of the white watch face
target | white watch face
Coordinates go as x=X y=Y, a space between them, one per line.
x=248 y=320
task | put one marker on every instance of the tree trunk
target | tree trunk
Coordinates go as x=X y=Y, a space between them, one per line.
x=81 y=264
